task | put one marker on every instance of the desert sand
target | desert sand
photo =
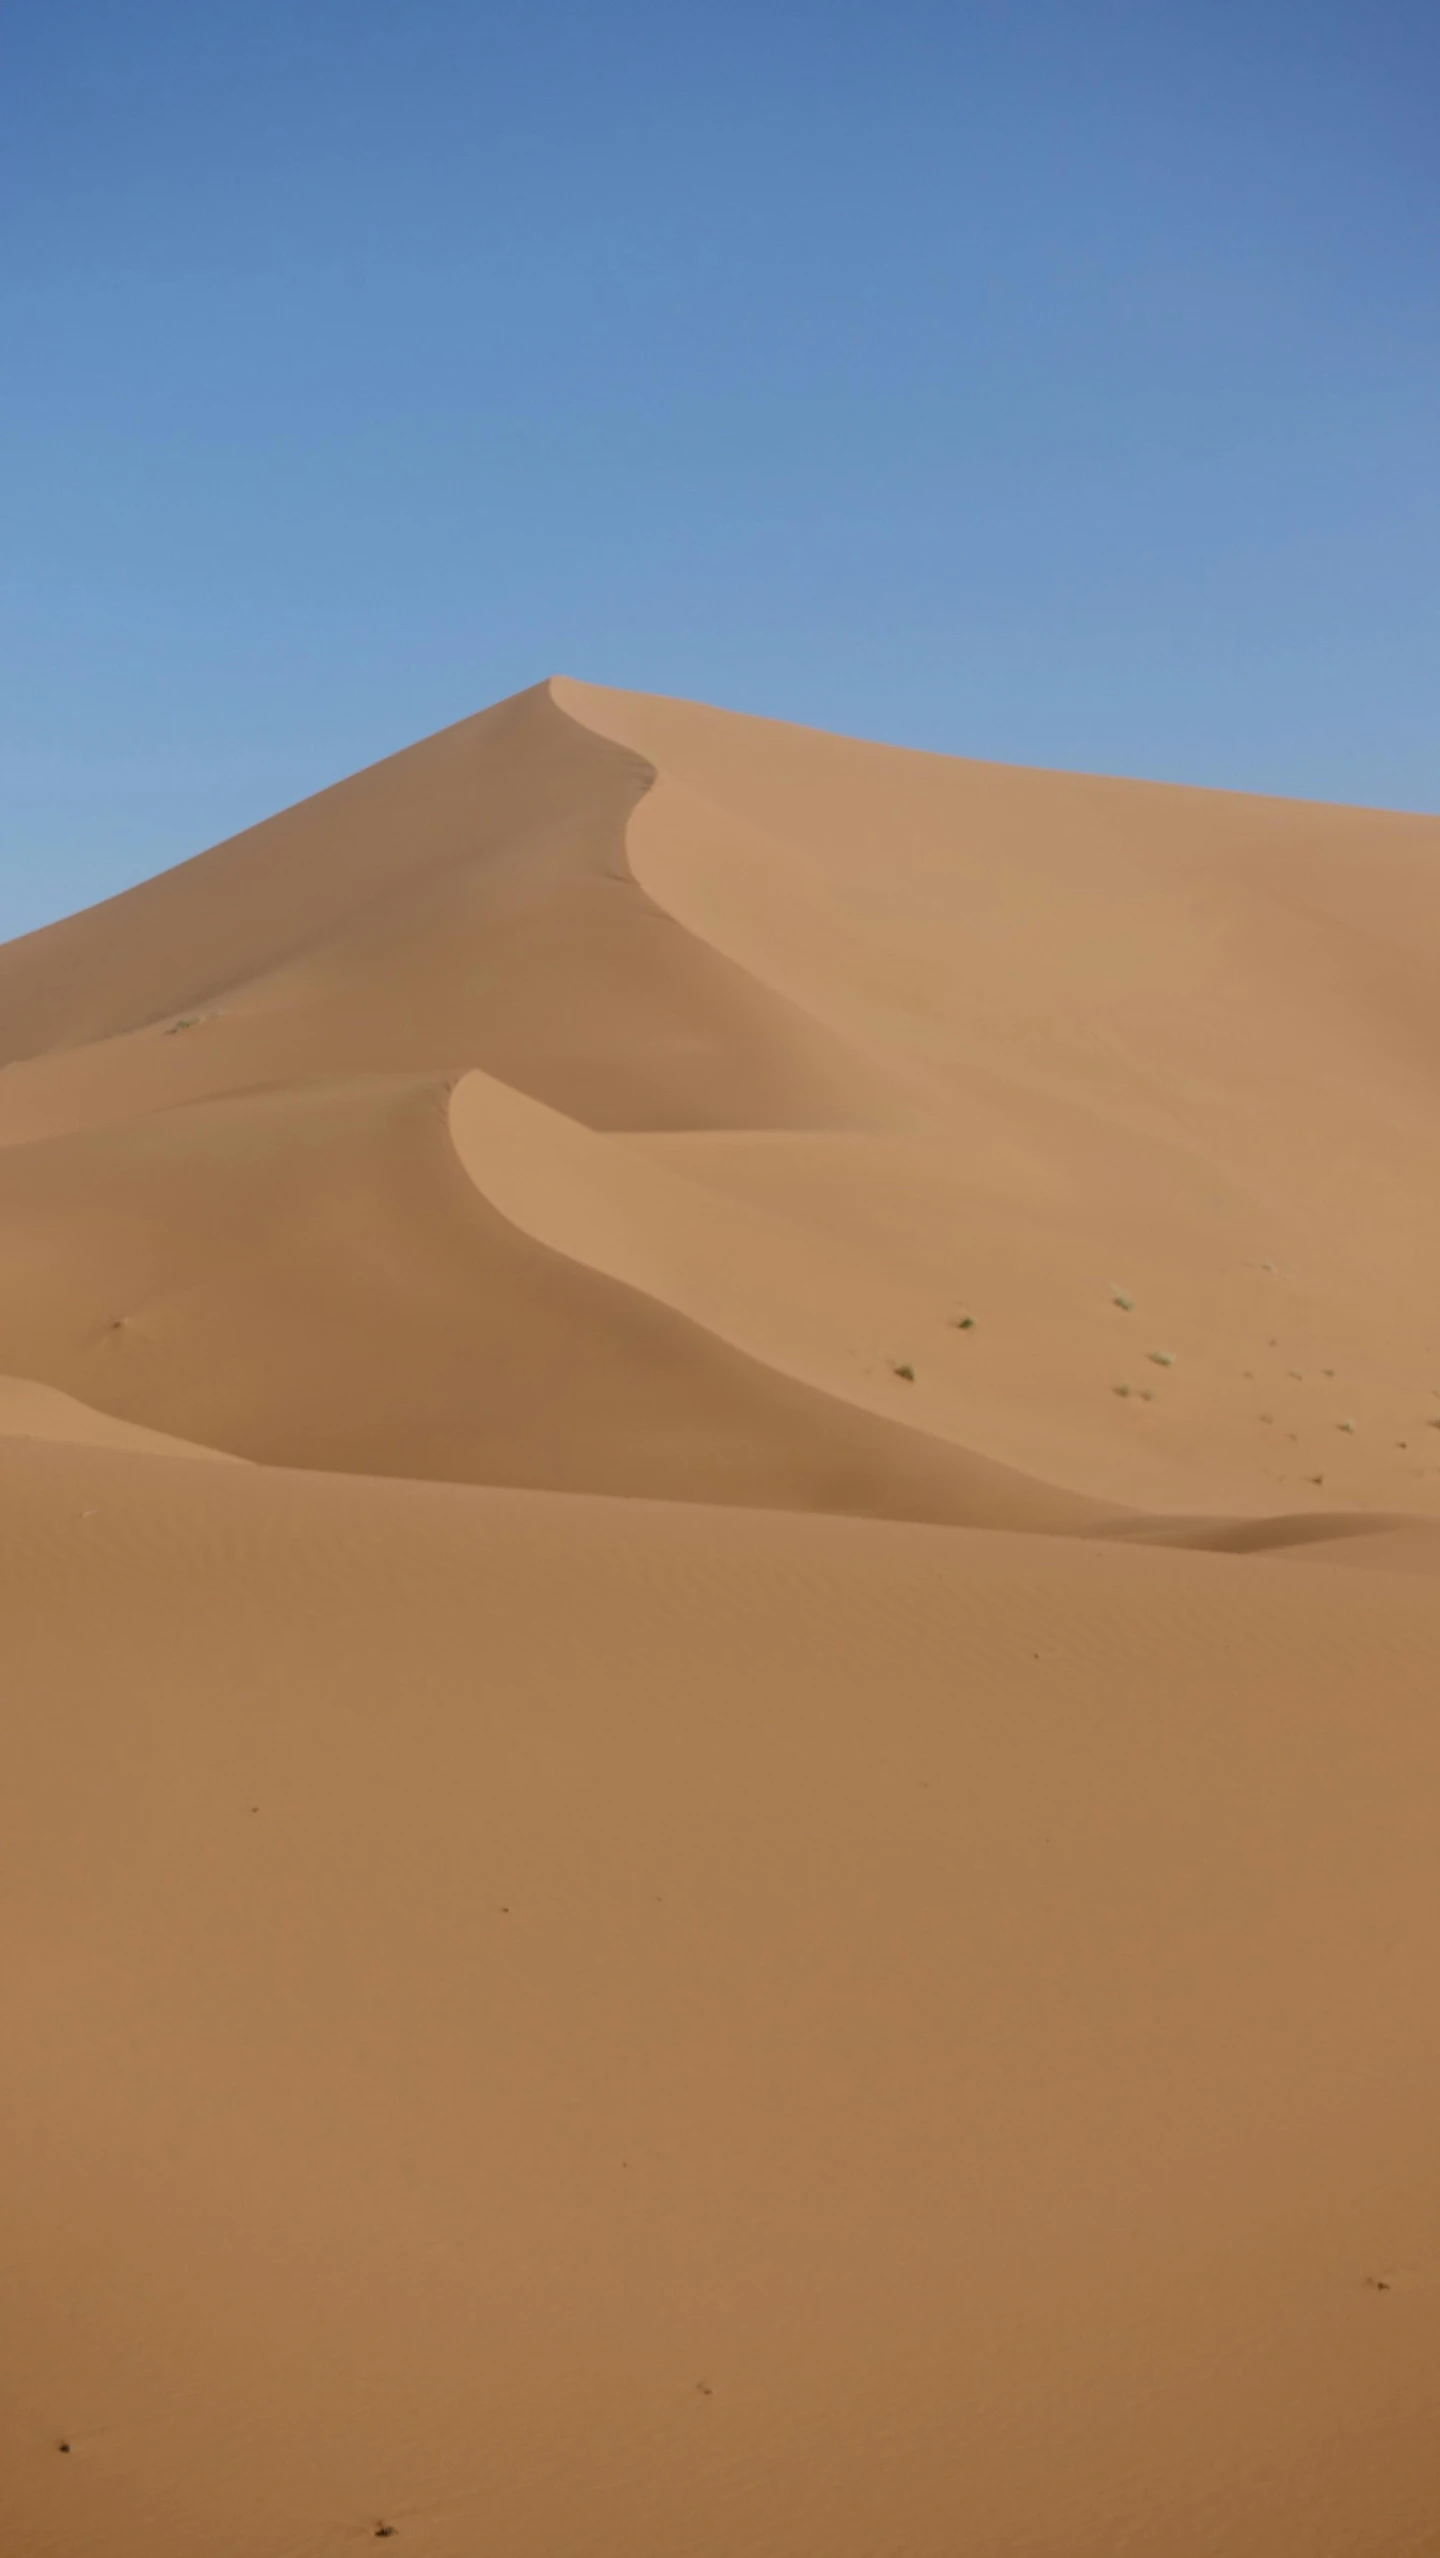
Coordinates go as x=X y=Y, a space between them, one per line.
x=767 y=1882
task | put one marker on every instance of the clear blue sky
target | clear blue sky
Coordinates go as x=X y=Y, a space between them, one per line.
x=1054 y=380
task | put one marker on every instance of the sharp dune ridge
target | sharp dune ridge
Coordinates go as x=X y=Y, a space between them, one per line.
x=724 y=1899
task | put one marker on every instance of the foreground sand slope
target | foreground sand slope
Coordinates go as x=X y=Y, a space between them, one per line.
x=603 y=2027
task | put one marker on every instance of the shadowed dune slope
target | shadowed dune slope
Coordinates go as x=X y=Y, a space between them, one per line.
x=1178 y=1047
x=586 y=2026
x=1139 y=940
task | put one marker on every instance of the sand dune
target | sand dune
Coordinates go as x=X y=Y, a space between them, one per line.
x=309 y=1278
x=565 y=1999
x=29 y=1410
x=467 y=903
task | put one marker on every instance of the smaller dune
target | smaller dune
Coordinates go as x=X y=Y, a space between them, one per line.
x=29 y=1410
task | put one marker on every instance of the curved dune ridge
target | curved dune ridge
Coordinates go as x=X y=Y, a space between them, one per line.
x=467 y=902
x=32 y=1411
x=722 y=1900
x=309 y=1278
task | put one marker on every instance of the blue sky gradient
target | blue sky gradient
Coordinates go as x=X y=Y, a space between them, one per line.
x=1054 y=381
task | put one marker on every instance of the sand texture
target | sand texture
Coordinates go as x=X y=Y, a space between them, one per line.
x=767 y=1883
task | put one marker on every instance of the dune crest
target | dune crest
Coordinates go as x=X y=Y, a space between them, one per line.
x=466 y=902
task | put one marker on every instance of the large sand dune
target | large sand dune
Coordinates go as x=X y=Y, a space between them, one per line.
x=562 y=2000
